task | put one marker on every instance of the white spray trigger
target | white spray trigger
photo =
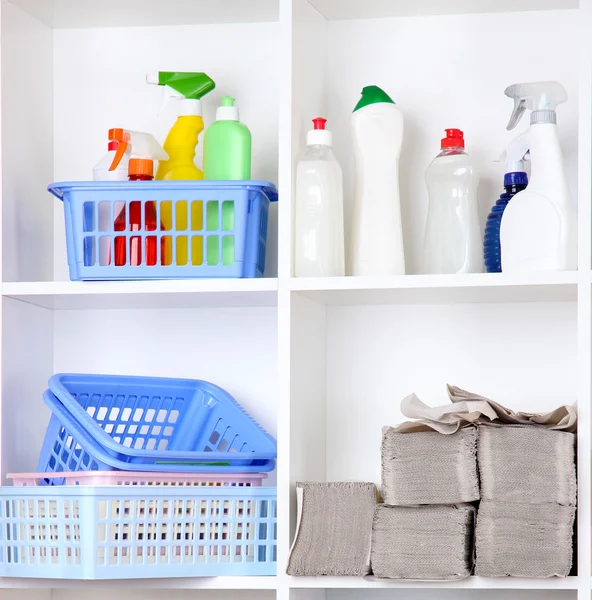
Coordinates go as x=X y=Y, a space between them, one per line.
x=537 y=96
x=516 y=153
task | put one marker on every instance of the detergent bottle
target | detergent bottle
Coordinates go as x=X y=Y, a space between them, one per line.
x=318 y=229
x=186 y=89
x=452 y=241
x=143 y=150
x=539 y=226
x=227 y=145
x=377 y=233
x=515 y=180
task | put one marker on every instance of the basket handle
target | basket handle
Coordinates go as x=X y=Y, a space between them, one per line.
x=56 y=190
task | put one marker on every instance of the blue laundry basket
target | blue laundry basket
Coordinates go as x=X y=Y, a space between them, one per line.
x=117 y=532
x=150 y=423
x=119 y=230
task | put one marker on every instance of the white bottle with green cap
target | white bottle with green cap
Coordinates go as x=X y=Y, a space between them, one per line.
x=377 y=233
x=227 y=145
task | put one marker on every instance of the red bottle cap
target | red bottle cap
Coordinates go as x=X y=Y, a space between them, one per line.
x=319 y=123
x=454 y=139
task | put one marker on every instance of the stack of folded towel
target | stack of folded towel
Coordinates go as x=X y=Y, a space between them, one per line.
x=423 y=542
x=334 y=529
x=528 y=498
x=433 y=541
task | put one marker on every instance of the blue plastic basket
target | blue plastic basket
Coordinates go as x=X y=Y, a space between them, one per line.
x=150 y=424
x=88 y=532
x=222 y=225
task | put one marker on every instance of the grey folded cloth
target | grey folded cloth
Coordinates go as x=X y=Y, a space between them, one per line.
x=529 y=464
x=429 y=467
x=423 y=542
x=334 y=529
x=524 y=540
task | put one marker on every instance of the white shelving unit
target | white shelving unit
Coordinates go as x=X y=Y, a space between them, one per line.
x=322 y=363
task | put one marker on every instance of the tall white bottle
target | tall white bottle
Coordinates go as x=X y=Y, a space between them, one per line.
x=453 y=242
x=318 y=231
x=539 y=226
x=377 y=233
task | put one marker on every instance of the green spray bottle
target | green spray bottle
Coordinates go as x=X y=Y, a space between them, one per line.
x=227 y=145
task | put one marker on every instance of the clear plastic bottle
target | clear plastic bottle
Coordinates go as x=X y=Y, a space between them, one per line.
x=453 y=242
x=319 y=247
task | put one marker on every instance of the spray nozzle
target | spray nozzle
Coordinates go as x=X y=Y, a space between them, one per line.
x=136 y=143
x=541 y=97
x=516 y=153
x=182 y=86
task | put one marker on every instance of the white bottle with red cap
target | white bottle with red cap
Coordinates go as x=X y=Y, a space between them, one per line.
x=318 y=231
x=453 y=242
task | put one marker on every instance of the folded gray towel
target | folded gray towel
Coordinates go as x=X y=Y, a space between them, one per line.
x=529 y=464
x=423 y=542
x=429 y=467
x=524 y=540
x=335 y=529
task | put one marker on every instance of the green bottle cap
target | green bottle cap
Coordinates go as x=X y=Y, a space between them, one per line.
x=372 y=94
x=227 y=101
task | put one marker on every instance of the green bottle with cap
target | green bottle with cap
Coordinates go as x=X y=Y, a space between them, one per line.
x=227 y=145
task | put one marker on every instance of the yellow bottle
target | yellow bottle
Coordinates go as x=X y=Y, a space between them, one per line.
x=180 y=144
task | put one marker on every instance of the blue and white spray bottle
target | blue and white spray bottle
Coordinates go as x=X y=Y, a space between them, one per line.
x=515 y=180
x=539 y=227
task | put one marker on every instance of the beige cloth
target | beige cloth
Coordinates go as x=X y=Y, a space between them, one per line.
x=334 y=529
x=524 y=540
x=526 y=464
x=423 y=542
x=429 y=468
x=468 y=408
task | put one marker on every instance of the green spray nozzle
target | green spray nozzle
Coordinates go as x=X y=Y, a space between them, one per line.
x=227 y=101
x=191 y=86
x=187 y=87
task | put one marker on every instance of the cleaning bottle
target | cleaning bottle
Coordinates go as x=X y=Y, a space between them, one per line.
x=143 y=150
x=377 y=233
x=319 y=248
x=186 y=89
x=227 y=145
x=515 y=180
x=539 y=226
x=102 y=172
x=452 y=242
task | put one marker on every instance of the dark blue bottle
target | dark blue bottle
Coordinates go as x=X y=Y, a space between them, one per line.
x=513 y=182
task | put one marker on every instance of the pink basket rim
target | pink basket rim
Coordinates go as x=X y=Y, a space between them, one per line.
x=139 y=476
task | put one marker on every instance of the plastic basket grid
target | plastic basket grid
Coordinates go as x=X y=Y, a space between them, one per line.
x=221 y=227
x=139 y=478
x=137 y=532
x=143 y=419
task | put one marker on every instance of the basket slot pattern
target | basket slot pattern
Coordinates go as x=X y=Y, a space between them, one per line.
x=41 y=532
x=68 y=455
x=139 y=422
x=164 y=233
x=149 y=422
x=111 y=535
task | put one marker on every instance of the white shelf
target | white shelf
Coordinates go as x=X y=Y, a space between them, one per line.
x=193 y=583
x=196 y=293
x=354 y=9
x=69 y=14
x=439 y=289
x=368 y=583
